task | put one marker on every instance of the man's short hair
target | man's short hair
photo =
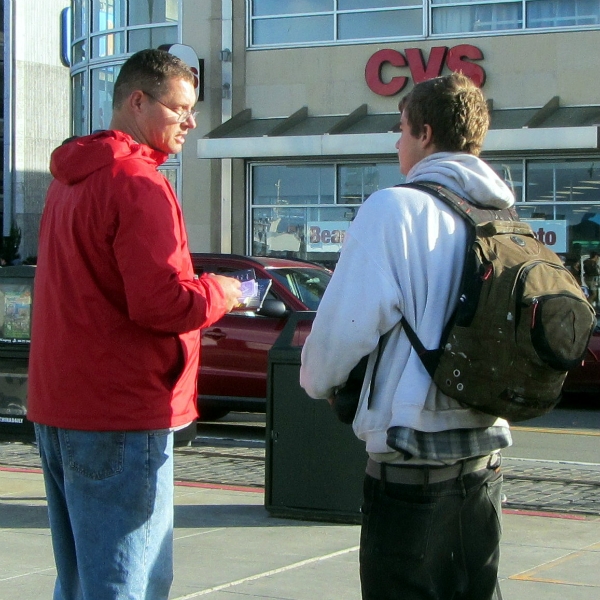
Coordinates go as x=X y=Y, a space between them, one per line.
x=149 y=70
x=455 y=109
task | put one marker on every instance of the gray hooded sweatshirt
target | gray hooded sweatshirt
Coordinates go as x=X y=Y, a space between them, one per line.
x=402 y=255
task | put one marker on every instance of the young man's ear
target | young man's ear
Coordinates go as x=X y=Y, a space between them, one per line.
x=427 y=135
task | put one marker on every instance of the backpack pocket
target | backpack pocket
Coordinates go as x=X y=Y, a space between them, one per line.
x=553 y=317
x=560 y=331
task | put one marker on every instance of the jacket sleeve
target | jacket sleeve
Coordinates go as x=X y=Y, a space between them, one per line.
x=152 y=255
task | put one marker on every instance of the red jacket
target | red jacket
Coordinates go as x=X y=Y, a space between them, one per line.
x=117 y=311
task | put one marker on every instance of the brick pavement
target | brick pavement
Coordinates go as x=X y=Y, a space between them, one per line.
x=529 y=484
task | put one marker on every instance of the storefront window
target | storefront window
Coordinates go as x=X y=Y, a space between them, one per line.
x=151 y=38
x=484 y=16
x=103 y=83
x=575 y=181
x=290 y=184
x=379 y=24
x=108 y=14
x=289 y=22
x=145 y=12
x=105 y=33
x=108 y=45
x=357 y=182
x=571 y=13
x=171 y=174
x=304 y=210
x=79 y=94
x=80 y=11
x=563 y=204
x=511 y=172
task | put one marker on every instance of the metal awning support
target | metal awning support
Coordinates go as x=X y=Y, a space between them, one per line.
x=544 y=113
x=291 y=121
x=354 y=117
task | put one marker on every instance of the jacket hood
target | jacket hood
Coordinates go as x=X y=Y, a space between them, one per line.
x=466 y=175
x=79 y=157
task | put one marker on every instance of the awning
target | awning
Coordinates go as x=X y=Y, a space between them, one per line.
x=549 y=128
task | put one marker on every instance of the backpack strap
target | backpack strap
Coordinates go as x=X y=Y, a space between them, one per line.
x=473 y=215
x=471 y=212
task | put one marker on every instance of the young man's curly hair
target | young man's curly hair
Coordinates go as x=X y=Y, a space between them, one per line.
x=455 y=109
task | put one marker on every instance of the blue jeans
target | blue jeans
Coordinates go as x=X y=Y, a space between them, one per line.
x=431 y=542
x=110 y=504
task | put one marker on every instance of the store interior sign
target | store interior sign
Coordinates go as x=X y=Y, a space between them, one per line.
x=458 y=59
x=551 y=233
x=326 y=236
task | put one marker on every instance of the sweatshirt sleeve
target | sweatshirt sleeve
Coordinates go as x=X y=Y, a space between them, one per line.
x=150 y=247
x=361 y=303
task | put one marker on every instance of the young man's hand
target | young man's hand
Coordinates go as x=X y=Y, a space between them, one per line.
x=231 y=289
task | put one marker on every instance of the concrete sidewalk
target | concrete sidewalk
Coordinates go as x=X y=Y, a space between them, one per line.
x=227 y=546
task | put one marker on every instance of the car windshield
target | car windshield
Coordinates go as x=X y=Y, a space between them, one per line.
x=308 y=285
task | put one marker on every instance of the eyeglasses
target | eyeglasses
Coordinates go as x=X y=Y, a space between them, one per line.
x=182 y=117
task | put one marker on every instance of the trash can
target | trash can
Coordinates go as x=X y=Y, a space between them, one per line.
x=16 y=302
x=314 y=463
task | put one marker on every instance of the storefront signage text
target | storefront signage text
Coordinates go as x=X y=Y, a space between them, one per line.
x=326 y=236
x=551 y=233
x=456 y=59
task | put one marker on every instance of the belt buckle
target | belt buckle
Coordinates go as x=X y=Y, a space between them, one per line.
x=495 y=462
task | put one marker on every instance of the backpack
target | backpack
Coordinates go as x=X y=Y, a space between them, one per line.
x=521 y=321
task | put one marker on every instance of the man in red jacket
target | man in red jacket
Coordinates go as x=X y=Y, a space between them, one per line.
x=115 y=339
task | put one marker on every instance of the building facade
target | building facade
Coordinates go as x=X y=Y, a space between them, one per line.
x=298 y=107
x=36 y=112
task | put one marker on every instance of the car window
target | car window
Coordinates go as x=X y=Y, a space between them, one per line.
x=308 y=285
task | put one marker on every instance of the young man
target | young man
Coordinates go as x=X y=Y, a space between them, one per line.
x=115 y=340
x=431 y=512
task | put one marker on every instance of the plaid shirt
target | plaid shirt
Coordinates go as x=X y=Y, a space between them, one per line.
x=448 y=446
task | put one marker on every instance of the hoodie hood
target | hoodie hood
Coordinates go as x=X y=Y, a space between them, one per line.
x=466 y=175
x=79 y=157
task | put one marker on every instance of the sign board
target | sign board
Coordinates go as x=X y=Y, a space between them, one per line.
x=188 y=55
x=551 y=233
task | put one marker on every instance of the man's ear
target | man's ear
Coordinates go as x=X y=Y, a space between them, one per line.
x=135 y=100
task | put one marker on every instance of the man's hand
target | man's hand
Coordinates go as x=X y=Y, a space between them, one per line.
x=231 y=288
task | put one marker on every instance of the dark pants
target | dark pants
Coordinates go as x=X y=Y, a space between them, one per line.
x=432 y=542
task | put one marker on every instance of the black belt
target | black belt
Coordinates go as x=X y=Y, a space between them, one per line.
x=424 y=474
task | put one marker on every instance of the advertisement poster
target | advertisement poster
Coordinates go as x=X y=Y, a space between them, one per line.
x=16 y=314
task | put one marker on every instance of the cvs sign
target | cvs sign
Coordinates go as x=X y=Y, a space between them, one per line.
x=457 y=58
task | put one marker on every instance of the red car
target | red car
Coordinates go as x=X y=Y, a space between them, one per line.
x=586 y=378
x=233 y=363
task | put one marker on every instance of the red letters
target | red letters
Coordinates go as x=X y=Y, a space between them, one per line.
x=421 y=71
x=456 y=63
x=455 y=59
x=373 y=72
